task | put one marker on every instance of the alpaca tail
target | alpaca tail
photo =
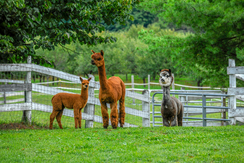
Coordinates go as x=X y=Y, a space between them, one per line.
x=52 y=98
x=123 y=89
x=122 y=106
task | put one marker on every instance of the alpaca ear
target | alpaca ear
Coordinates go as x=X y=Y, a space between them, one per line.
x=170 y=72
x=172 y=79
x=159 y=70
x=81 y=79
x=93 y=51
x=102 y=53
x=89 y=78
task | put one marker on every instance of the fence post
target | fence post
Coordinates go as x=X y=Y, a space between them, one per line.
x=148 y=83
x=232 y=84
x=204 y=121
x=223 y=113
x=4 y=97
x=146 y=108
x=183 y=101
x=27 y=113
x=132 y=86
x=90 y=108
x=47 y=80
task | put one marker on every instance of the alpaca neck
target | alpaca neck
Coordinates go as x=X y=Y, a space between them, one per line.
x=84 y=94
x=102 y=77
x=166 y=94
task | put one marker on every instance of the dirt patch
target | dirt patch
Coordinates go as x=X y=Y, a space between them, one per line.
x=12 y=126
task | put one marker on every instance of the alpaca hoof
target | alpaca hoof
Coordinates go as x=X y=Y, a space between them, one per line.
x=114 y=127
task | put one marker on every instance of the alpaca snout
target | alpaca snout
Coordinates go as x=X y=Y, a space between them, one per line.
x=92 y=62
x=162 y=80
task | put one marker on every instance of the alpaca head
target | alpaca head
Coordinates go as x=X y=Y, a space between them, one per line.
x=84 y=83
x=165 y=79
x=97 y=58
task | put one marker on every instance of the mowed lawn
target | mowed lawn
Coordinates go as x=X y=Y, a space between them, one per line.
x=158 y=144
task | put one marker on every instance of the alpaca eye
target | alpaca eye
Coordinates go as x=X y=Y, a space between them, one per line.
x=99 y=59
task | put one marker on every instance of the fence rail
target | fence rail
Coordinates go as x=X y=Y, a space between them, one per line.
x=38 y=87
x=235 y=72
x=186 y=96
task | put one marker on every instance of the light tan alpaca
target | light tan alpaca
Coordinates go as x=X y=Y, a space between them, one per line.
x=70 y=101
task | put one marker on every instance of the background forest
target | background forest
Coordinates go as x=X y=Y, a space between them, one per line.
x=129 y=54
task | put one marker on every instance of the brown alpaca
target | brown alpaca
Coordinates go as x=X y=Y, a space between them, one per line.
x=70 y=101
x=171 y=108
x=111 y=91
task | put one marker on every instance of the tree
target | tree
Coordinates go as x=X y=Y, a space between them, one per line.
x=120 y=57
x=27 y=25
x=163 y=45
x=218 y=35
x=140 y=17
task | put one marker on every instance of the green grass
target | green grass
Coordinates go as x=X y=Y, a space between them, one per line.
x=159 y=144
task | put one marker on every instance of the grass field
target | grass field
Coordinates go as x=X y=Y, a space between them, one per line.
x=159 y=144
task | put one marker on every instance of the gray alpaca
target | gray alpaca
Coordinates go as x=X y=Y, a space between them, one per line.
x=171 y=108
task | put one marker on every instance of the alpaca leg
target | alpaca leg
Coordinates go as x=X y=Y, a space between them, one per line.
x=174 y=121
x=52 y=116
x=166 y=122
x=58 y=117
x=105 y=116
x=180 y=116
x=76 y=117
x=80 y=115
x=114 y=115
x=122 y=112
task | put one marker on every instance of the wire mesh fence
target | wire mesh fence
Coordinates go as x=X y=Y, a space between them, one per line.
x=11 y=97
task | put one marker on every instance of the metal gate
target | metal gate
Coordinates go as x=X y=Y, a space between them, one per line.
x=203 y=107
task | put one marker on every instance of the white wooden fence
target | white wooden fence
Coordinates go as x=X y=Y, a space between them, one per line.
x=89 y=110
x=235 y=72
x=88 y=115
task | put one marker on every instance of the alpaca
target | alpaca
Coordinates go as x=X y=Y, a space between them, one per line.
x=70 y=101
x=111 y=90
x=171 y=108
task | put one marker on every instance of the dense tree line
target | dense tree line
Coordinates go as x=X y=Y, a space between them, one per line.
x=130 y=54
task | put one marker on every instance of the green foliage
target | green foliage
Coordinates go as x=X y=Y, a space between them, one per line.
x=218 y=35
x=55 y=22
x=163 y=49
x=120 y=57
x=140 y=17
x=158 y=144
